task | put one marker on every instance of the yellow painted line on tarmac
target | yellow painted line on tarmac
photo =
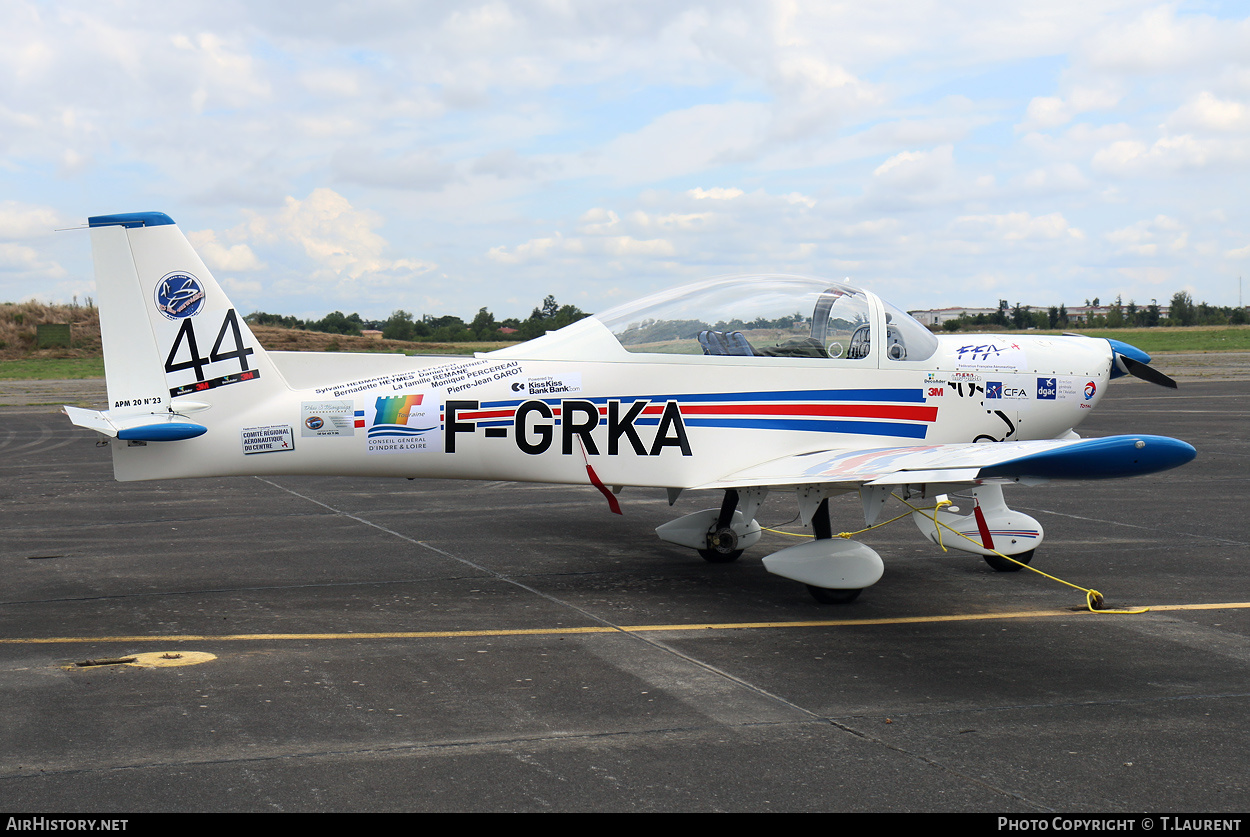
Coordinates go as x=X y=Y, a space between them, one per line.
x=603 y=629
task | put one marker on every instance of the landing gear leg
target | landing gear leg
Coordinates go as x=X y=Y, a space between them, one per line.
x=822 y=528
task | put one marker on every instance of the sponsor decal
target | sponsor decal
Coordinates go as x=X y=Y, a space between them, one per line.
x=404 y=424
x=550 y=384
x=1046 y=389
x=996 y=389
x=271 y=439
x=179 y=295
x=452 y=377
x=1090 y=389
x=991 y=356
x=1070 y=389
x=328 y=418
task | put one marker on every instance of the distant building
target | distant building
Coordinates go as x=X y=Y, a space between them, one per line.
x=1076 y=313
x=937 y=316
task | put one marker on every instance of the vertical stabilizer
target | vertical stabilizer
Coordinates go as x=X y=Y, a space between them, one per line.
x=169 y=331
x=185 y=374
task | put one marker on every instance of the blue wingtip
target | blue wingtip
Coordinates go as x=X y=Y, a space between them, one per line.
x=1097 y=459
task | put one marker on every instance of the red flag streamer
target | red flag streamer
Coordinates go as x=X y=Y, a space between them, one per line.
x=986 y=540
x=604 y=490
x=598 y=483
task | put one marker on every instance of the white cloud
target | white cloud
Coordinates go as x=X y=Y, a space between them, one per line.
x=1167 y=154
x=716 y=193
x=1021 y=226
x=219 y=257
x=1045 y=112
x=22 y=222
x=1206 y=112
x=340 y=241
x=917 y=169
x=18 y=258
x=1159 y=40
x=1150 y=237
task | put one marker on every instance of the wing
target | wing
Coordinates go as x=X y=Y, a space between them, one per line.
x=1079 y=459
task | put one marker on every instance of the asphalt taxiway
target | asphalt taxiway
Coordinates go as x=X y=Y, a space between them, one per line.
x=317 y=644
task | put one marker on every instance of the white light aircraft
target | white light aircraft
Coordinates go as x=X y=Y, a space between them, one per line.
x=742 y=385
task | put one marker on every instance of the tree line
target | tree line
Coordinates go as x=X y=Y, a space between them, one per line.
x=402 y=325
x=1182 y=312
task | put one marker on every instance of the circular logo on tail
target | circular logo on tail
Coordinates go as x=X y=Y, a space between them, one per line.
x=179 y=295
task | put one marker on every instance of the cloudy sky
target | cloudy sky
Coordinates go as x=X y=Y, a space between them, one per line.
x=441 y=156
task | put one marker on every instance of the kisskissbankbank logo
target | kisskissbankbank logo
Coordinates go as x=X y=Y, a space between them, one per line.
x=179 y=295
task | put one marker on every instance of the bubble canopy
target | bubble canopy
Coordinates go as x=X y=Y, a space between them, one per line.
x=770 y=316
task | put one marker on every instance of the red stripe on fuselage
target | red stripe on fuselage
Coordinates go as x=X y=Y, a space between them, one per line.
x=877 y=411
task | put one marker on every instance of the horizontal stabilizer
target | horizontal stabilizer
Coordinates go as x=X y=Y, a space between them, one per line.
x=135 y=428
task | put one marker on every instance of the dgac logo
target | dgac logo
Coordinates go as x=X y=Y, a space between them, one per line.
x=535 y=431
x=1046 y=389
x=179 y=295
x=1090 y=389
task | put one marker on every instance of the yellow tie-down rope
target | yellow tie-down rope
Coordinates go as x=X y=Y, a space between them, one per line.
x=1093 y=599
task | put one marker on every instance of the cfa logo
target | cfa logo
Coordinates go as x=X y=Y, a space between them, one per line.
x=995 y=389
x=1046 y=389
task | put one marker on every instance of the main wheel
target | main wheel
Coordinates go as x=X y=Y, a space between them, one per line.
x=1002 y=565
x=714 y=557
x=829 y=595
x=722 y=547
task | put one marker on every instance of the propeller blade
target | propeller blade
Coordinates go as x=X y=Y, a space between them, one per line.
x=1147 y=372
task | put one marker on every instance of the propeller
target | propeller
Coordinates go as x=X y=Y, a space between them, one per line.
x=1130 y=360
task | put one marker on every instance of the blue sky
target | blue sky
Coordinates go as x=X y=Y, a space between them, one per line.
x=441 y=156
